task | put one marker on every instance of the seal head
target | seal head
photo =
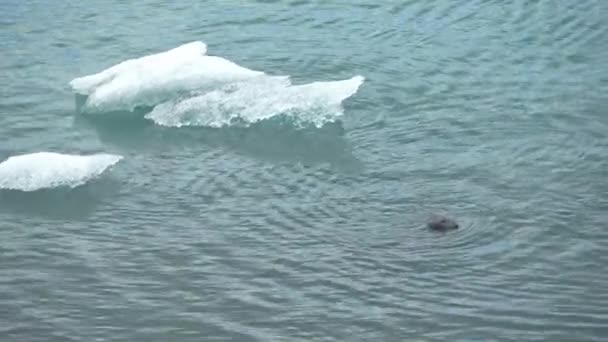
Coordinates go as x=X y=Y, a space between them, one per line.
x=442 y=224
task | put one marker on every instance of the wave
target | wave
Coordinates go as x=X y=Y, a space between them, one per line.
x=250 y=102
x=35 y=171
x=186 y=87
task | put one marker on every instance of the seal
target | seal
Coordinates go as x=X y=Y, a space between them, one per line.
x=442 y=224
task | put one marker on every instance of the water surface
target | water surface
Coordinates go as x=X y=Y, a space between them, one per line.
x=493 y=112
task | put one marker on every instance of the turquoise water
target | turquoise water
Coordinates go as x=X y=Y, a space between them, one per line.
x=311 y=226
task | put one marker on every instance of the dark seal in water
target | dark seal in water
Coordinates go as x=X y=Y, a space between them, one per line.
x=442 y=224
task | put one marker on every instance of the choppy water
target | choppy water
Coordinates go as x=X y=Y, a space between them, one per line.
x=493 y=112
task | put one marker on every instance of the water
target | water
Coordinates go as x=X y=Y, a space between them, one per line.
x=493 y=112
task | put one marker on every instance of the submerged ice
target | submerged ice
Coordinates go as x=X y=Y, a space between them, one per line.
x=35 y=171
x=185 y=86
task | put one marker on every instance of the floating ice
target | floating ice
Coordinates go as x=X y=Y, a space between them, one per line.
x=87 y=84
x=252 y=101
x=151 y=79
x=186 y=87
x=35 y=171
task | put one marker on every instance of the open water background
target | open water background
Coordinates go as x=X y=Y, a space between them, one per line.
x=493 y=112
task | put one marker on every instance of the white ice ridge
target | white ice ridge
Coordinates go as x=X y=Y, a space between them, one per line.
x=86 y=85
x=260 y=99
x=35 y=171
x=151 y=79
